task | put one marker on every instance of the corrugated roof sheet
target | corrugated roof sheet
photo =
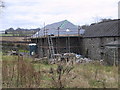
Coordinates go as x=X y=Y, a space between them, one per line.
x=103 y=29
x=53 y=29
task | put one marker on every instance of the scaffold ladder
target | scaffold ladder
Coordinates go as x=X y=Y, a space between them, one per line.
x=51 y=47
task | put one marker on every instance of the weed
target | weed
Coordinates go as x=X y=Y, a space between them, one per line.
x=19 y=72
x=60 y=76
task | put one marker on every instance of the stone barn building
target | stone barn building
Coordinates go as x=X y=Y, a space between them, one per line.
x=97 y=36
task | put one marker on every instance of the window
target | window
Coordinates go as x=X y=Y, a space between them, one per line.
x=102 y=55
x=114 y=38
x=102 y=46
x=101 y=42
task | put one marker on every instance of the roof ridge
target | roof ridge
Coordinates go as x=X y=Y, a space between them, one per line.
x=99 y=23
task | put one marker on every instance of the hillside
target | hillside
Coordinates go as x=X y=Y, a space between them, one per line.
x=20 y=32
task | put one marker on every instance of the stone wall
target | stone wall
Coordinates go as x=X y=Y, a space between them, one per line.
x=89 y=47
x=61 y=45
x=111 y=56
x=94 y=47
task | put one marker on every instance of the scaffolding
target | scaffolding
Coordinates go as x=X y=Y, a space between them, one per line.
x=51 y=44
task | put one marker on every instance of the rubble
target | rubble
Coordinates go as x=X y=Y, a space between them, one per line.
x=67 y=58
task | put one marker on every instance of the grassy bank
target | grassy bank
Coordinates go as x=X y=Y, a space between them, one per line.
x=21 y=72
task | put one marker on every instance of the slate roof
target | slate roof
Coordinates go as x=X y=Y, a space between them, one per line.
x=53 y=29
x=104 y=29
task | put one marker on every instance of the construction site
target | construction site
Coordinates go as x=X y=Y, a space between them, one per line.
x=58 y=39
x=62 y=55
x=65 y=40
x=38 y=51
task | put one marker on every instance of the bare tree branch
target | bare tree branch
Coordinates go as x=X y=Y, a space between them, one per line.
x=2 y=5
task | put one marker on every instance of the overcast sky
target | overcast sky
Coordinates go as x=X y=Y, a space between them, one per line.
x=33 y=13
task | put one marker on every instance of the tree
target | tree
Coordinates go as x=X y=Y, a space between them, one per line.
x=2 y=5
x=6 y=32
x=97 y=19
x=84 y=26
x=100 y=20
x=105 y=19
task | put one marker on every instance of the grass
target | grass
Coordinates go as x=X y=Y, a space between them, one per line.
x=98 y=76
x=26 y=51
x=27 y=74
x=15 y=34
x=6 y=34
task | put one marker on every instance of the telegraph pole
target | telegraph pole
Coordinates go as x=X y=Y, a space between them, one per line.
x=58 y=40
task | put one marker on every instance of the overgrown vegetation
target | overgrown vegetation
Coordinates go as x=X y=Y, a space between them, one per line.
x=21 y=72
x=7 y=47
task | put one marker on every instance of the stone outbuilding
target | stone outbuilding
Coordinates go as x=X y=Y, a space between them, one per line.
x=97 y=36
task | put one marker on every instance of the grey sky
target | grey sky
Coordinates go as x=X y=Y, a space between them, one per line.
x=33 y=13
